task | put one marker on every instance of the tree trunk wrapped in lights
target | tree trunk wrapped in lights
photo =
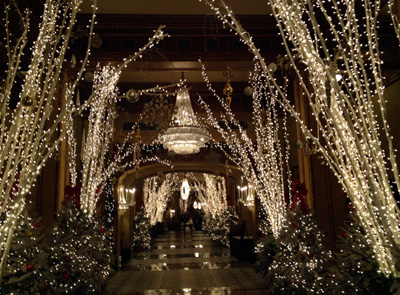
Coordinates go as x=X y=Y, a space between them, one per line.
x=211 y=194
x=156 y=194
x=96 y=169
x=262 y=162
x=348 y=130
x=29 y=133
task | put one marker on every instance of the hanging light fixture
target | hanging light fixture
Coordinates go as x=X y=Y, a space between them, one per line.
x=185 y=189
x=184 y=134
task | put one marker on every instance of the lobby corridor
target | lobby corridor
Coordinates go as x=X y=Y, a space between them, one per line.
x=185 y=264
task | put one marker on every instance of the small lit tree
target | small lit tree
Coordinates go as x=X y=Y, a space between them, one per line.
x=26 y=260
x=80 y=252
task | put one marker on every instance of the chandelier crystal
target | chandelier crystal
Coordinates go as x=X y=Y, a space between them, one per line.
x=184 y=134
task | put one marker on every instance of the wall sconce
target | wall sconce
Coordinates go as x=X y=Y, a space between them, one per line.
x=246 y=195
x=126 y=198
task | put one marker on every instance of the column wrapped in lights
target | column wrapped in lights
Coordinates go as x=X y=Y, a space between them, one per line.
x=184 y=134
x=347 y=124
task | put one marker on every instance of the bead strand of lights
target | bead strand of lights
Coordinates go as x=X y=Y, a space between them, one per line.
x=95 y=171
x=99 y=135
x=344 y=114
x=262 y=165
x=157 y=195
x=71 y=139
x=211 y=193
x=28 y=135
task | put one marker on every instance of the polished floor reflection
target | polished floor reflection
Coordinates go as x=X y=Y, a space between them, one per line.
x=185 y=264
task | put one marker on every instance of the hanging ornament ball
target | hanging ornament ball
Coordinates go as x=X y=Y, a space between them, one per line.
x=42 y=285
x=27 y=101
x=132 y=95
x=97 y=42
x=89 y=77
x=248 y=91
x=272 y=67
x=397 y=265
x=28 y=232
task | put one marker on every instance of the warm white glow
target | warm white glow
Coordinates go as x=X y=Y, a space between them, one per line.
x=184 y=135
x=185 y=189
x=346 y=120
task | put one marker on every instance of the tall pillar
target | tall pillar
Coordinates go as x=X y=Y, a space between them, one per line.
x=305 y=170
x=63 y=172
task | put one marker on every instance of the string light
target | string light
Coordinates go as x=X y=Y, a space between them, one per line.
x=28 y=137
x=343 y=110
x=262 y=163
x=156 y=195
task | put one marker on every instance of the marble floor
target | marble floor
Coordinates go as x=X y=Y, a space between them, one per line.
x=185 y=265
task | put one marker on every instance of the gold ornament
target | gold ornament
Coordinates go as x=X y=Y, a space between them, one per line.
x=228 y=74
x=97 y=42
x=28 y=232
x=329 y=275
x=27 y=101
x=368 y=267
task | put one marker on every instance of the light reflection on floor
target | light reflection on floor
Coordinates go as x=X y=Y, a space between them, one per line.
x=190 y=265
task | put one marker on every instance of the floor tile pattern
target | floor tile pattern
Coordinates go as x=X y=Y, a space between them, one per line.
x=187 y=265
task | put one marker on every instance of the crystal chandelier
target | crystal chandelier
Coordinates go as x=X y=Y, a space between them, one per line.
x=184 y=134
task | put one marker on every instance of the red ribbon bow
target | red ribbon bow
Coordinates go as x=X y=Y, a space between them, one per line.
x=300 y=191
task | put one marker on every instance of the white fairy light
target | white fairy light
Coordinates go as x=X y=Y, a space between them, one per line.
x=262 y=164
x=157 y=195
x=344 y=113
x=28 y=137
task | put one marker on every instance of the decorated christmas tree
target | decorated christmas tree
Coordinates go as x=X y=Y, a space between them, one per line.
x=219 y=226
x=358 y=263
x=81 y=257
x=265 y=250
x=141 y=231
x=26 y=259
x=301 y=262
x=109 y=206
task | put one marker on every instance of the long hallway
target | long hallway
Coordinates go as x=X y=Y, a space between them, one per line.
x=185 y=264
